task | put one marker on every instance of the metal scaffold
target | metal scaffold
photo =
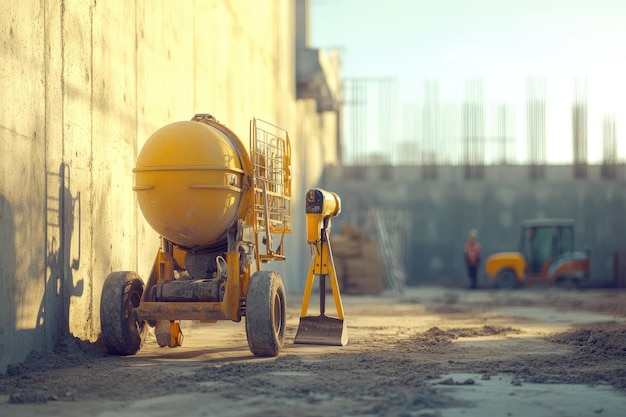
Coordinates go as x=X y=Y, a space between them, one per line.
x=395 y=273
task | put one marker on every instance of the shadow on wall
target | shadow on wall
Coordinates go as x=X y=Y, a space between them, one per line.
x=7 y=282
x=63 y=218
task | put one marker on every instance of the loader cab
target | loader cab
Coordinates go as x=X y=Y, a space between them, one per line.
x=542 y=242
x=546 y=255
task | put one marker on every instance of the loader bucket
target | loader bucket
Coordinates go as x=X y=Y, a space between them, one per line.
x=322 y=330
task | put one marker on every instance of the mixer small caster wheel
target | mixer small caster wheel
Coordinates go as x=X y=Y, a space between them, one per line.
x=168 y=333
x=122 y=333
x=265 y=313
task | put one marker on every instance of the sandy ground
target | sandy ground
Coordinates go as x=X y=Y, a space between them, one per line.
x=426 y=352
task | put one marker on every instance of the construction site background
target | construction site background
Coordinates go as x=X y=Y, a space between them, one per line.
x=83 y=85
x=430 y=217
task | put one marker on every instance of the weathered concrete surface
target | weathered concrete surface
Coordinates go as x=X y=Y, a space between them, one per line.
x=430 y=219
x=82 y=86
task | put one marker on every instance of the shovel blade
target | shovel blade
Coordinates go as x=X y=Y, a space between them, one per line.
x=322 y=330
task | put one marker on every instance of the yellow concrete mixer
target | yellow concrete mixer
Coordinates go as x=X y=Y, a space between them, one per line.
x=214 y=206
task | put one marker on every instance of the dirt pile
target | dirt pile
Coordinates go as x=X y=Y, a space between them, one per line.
x=69 y=351
x=602 y=341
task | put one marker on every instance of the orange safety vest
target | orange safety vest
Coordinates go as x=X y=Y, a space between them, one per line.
x=472 y=251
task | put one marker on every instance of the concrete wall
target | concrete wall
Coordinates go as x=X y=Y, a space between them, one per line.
x=430 y=219
x=82 y=86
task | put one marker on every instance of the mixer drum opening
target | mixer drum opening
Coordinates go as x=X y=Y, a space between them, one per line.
x=192 y=181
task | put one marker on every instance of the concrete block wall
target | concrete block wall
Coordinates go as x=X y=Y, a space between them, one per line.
x=83 y=84
x=433 y=217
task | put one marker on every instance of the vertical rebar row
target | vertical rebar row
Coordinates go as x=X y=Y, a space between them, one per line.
x=473 y=122
x=430 y=128
x=445 y=154
x=536 y=127
x=358 y=107
x=361 y=127
x=353 y=137
x=454 y=123
x=384 y=119
x=435 y=133
x=441 y=146
x=418 y=134
x=501 y=143
x=384 y=116
x=609 y=147
x=579 y=129
x=387 y=92
x=408 y=149
x=353 y=108
x=349 y=113
x=370 y=105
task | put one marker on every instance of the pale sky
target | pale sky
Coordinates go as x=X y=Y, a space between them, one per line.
x=502 y=42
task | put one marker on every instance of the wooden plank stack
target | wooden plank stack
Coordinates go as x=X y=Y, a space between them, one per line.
x=357 y=262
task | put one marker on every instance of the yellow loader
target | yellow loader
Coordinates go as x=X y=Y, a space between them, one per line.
x=546 y=256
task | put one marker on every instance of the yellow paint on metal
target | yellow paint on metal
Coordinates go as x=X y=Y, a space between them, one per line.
x=321 y=207
x=177 y=334
x=182 y=310
x=505 y=260
x=231 y=295
x=308 y=287
x=162 y=270
x=322 y=264
x=179 y=256
x=192 y=181
x=168 y=333
x=315 y=221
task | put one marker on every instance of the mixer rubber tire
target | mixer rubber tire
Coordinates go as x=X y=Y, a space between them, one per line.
x=265 y=313
x=121 y=333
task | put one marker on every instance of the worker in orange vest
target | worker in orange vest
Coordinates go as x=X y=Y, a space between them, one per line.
x=472 y=257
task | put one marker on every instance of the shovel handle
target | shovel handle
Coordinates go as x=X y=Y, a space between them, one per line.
x=322 y=294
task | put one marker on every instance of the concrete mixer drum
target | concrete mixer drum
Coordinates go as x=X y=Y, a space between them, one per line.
x=215 y=206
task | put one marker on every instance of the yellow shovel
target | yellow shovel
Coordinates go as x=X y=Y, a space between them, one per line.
x=321 y=207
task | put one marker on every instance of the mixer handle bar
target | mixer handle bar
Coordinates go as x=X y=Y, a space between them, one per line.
x=271 y=161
